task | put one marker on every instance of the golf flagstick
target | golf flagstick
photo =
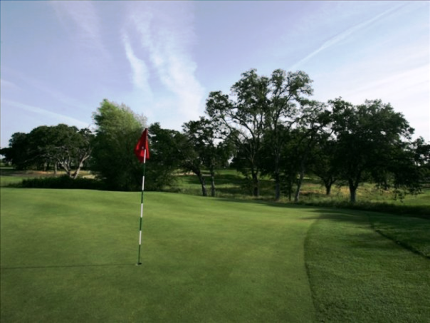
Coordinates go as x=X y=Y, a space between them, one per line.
x=141 y=207
x=142 y=153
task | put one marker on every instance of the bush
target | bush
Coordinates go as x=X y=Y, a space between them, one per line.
x=63 y=182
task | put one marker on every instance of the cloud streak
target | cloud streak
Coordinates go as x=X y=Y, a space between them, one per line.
x=140 y=72
x=61 y=118
x=394 y=85
x=8 y=85
x=344 y=35
x=166 y=34
x=86 y=20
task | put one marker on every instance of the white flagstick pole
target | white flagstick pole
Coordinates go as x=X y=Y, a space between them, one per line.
x=141 y=207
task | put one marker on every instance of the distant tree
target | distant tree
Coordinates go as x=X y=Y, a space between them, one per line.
x=322 y=161
x=243 y=119
x=205 y=150
x=288 y=160
x=190 y=160
x=421 y=151
x=407 y=170
x=61 y=145
x=314 y=117
x=18 y=151
x=261 y=106
x=118 y=130
x=164 y=159
x=286 y=92
x=368 y=138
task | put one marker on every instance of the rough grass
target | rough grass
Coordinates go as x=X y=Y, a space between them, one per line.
x=358 y=275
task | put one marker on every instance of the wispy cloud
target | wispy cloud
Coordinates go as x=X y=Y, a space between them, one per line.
x=344 y=35
x=395 y=86
x=166 y=35
x=86 y=22
x=60 y=118
x=140 y=72
x=36 y=84
x=8 y=85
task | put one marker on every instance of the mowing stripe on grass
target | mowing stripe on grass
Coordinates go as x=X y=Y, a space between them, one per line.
x=357 y=275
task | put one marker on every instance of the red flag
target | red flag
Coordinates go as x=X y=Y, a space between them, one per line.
x=142 y=146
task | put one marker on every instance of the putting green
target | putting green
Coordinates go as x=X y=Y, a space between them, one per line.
x=69 y=255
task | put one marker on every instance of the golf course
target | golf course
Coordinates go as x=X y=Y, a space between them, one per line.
x=70 y=256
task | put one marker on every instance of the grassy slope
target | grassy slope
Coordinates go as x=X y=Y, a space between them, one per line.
x=69 y=255
x=358 y=275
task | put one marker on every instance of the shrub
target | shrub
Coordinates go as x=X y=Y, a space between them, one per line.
x=63 y=182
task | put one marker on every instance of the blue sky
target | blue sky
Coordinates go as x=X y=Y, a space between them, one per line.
x=60 y=59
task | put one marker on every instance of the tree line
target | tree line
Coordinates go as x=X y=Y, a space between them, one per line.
x=266 y=126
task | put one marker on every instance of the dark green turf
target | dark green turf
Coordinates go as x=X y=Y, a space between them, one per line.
x=358 y=275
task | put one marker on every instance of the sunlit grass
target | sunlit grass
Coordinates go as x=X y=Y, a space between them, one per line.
x=69 y=256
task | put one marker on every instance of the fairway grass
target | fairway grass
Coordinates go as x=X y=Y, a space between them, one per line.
x=70 y=256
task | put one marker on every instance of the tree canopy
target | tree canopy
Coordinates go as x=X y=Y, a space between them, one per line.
x=267 y=126
x=118 y=130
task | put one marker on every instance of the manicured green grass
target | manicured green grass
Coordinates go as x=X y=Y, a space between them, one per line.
x=69 y=255
x=411 y=233
x=358 y=275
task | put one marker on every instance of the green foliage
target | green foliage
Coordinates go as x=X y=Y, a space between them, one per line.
x=118 y=130
x=164 y=158
x=261 y=106
x=370 y=138
x=46 y=147
x=63 y=182
x=18 y=151
x=202 y=150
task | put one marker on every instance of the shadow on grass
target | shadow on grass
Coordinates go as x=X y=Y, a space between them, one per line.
x=65 y=266
x=406 y=232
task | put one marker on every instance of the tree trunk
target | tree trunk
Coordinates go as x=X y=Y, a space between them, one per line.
x=76 y=173
x=290 y=188
x=277 y=187
x=255 y=185
x=202 y=182
x=66 y=167
x=328 y=188
x=352 y=191
x=328 y=183
x=55 y=168
x=277 y=177
x=212 y=182
x=299 y=183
